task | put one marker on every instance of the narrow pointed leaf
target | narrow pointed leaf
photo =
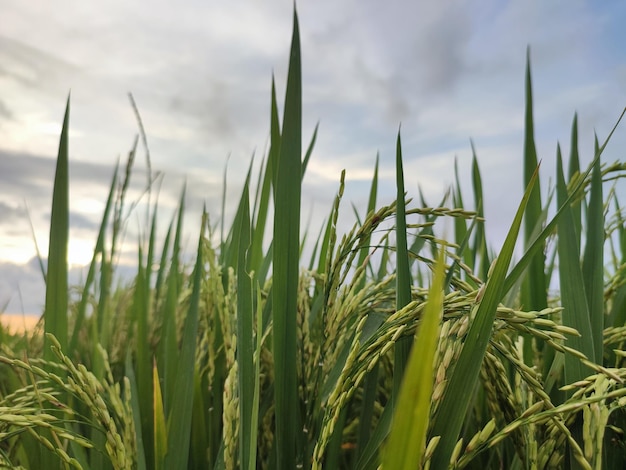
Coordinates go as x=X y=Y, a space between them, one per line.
x=55 y=313
x=407 y=440
x=593 y=261
x=403 y=275
x=179 y=417
x=573 y=298
x=286 y=262
x=245 y=340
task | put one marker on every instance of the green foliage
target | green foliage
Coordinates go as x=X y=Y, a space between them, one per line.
x=392 y=344
x=407 y=441
x=55 y=314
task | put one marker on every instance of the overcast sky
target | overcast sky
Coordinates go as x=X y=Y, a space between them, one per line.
x=200 y=72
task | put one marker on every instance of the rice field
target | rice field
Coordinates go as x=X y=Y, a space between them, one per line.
x=390 y=346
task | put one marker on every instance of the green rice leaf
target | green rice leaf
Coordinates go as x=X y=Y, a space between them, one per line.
x=274 y=153
x=261 y=207
x=309 y=150
x=286 y=263
x=161 y=274
x=534 y=285
x=481 y=259
x=179 y=416
x=143 y=360
x=55 y=313
x=574 y=170
x=593 y=260
x=254 y=419
x=573 y=298
x=460 y=225
x=168 y=346
x=231 y=246
x=134 y=401
x=160 y=429
x=245 y=340
x=403 y=275
x=407 y=440
x=223 y=216
x=367 y=459
x=617 y=314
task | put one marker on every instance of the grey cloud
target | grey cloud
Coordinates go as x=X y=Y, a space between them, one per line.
x=10 y=211
x=212 y=108
x=81 y=222
x=32 y=67
x=5 y=111
x=32 y=175
x=21 y=287
x=439 y=61
x=28 y=180
x=396 y=57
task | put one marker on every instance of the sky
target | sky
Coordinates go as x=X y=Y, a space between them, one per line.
x=200 y=73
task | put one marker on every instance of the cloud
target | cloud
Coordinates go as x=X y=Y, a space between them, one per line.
x=21 y=287
x=5 y=112
x=9 y=212
x=200 y=73
x=33 y=69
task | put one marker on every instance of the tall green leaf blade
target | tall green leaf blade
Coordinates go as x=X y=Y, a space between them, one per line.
x=179 y=416
x=168 y=346
x=245 y=340
x=55 y=313
x=407 y=440
x=286 y=263
x=260 y=211
x=455 y=402
x=403 y=275
x=160 y=428
x=143 y=357
x=460 y=225
x=137 y=414
x=223 y=215
x=231 y=246
x=256 y=396
x=534 y=285
x=573 y=298
x=574 y=169
x=617 y=314
x=593 y=260
x=481 y=264
x=161 y=273
x=309 y=150
x=275 y=137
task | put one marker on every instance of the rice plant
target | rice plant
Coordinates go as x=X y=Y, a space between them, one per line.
x=393 y=346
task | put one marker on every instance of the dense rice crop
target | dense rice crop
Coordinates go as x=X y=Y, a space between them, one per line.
x=391 y=345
